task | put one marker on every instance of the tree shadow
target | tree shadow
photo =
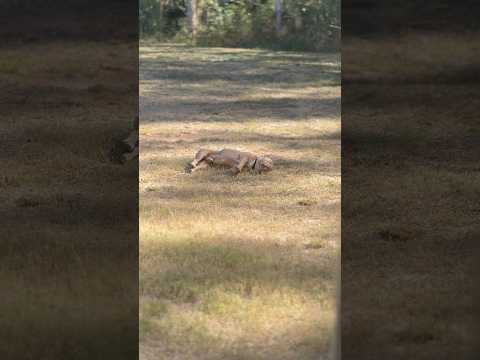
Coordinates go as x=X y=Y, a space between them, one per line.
x=246 y=110
x=242 y=71
x=233 y=264
x=206 y=87
x=294 y=142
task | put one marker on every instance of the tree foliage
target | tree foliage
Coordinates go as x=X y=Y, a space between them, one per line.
x=304 y=24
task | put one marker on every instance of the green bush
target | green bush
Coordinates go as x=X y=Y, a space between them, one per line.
x=306 y=24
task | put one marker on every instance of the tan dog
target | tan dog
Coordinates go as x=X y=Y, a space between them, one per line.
x=234 y=160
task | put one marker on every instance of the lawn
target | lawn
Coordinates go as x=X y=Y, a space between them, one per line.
x=245 y=267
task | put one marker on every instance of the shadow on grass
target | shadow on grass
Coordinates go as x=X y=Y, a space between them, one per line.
x=283 y=141
x=242 y=71
x=239 y=71
x=247 y=69
x=214 y=76
x=243 y=111
x=195 y=267
x=68 y=312
x=418 y=135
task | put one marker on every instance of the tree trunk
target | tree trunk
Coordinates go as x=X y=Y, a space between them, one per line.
x=192 y=18
x=278 y=17
x=160 y=16
x=298 y=23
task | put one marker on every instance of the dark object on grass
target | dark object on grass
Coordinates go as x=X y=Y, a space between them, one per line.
x=27 y=202
x=126 y=149
x=306 y=202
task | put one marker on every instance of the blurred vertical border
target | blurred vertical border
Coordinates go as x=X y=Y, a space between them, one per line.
x=69 y=209
x=410 y=180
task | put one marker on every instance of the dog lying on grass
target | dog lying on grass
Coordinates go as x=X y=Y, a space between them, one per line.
x=234 y=160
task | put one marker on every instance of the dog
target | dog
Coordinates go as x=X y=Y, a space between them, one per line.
x=234 y=160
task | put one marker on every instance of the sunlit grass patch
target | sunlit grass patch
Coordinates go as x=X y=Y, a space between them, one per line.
x=151 y=310
x=225 y=324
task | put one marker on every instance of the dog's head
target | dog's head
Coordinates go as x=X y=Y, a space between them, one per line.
x=263 y=164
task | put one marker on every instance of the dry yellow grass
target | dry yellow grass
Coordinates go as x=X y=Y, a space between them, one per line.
x=245 y=267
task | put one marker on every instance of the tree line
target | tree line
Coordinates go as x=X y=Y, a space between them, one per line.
x=312 y=25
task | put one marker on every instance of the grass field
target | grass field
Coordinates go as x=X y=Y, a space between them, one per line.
x=245 y=267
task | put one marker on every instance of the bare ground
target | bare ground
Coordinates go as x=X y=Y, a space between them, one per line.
x=238 y=268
